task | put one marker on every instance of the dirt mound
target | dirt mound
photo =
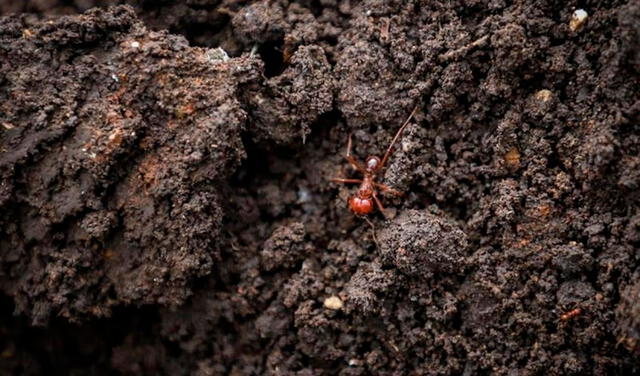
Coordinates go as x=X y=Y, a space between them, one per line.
x=114 y=140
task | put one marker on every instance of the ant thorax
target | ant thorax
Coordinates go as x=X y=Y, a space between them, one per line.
x=365 y=190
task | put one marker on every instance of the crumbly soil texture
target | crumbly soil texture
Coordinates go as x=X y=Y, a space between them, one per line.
x=166 y=205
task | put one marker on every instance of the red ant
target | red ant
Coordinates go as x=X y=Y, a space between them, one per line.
x=362 y=203
x=570 y=314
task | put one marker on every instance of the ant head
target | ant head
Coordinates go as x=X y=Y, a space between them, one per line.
x=373 y=164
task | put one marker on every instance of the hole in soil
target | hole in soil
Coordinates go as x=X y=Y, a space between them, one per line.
x=264 y=183
x=534 y=81
x=196 y=34
x=186 y=20
x=271 y=54
x=554 y=160
x=63 y=345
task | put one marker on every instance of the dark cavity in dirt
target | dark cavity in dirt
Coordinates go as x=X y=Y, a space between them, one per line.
x=165 y=205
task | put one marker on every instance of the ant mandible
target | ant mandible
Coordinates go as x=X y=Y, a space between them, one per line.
x=362 y=203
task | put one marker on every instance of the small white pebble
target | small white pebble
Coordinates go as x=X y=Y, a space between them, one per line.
x=406 y=146
x=578 y=19
x=254 y=50
x=216 y=55
x=333 y=302
x=135 y=44
x=304 y=196
x=544 y=95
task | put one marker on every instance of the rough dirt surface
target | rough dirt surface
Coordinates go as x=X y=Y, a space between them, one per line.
x=165 y=205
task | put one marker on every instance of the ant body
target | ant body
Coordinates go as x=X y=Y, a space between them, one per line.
x=362 y=203
x=571 y=314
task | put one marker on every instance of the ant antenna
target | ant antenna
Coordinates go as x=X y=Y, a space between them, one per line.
x=388 y=153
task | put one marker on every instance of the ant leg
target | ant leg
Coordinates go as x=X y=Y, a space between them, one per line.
x=373 y=232
x=379 y=204
x=352 y=160
x=346 y=181
x=387 y=189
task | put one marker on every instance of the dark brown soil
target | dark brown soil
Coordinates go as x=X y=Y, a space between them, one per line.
x=165 y=205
